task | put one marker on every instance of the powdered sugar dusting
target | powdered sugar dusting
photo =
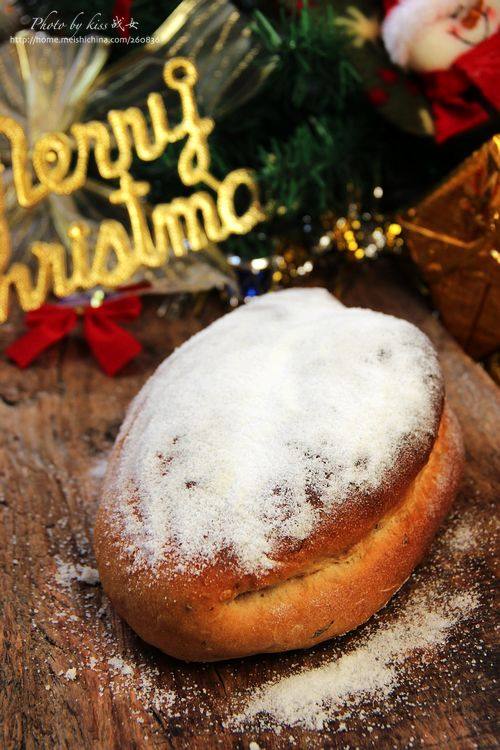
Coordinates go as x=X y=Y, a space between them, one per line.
x=98 y=468
x=291 y=392
x=67 y=572
x=313 y=697
x=92 y=652
x=121 y=666
x=470 y=532
x=83 y=629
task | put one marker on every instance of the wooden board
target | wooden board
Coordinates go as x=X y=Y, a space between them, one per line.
x=58 y=421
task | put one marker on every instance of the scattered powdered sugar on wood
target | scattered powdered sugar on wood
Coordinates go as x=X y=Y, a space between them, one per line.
x=470 y=533
x=294 y=391
x=462 y=536
x=372 y=669
x=67 y=572
x=82 y=627
x=116 y=662
x=98 y=468
x=90 y=645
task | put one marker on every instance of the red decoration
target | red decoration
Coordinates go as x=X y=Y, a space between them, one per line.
x=111 y=345
x=301 y=5
x=481 y=67
x=122 y=12
x=454 y=110
x=388 y=75
x=378 y=96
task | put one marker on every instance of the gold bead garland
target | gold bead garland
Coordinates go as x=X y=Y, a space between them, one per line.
x=359 y=234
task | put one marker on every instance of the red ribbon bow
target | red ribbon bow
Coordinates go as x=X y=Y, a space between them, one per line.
x=111 y=345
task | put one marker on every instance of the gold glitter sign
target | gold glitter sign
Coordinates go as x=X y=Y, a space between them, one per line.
x=59 y=164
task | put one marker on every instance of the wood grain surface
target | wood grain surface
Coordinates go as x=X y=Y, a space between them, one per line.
x=73 y=675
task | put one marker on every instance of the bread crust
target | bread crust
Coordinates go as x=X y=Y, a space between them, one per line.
x=312 y=595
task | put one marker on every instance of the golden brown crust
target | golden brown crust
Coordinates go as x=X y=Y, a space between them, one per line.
x=317 y=593
x=341 y=527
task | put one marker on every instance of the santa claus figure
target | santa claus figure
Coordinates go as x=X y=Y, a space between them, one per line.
x=455 y=46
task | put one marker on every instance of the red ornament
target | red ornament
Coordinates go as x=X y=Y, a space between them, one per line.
x=302 y=5
x=378 y=96
x=111 y=345
x=388 y=75
x=122 y=13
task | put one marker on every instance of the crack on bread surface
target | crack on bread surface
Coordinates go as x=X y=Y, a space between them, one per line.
x=355 y=552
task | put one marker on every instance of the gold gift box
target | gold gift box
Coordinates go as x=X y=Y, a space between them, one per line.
x=454 y=239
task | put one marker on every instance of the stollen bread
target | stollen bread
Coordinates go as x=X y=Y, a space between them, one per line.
x=277 y=479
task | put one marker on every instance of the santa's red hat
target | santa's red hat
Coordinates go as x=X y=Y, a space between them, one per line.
x=406 y=18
